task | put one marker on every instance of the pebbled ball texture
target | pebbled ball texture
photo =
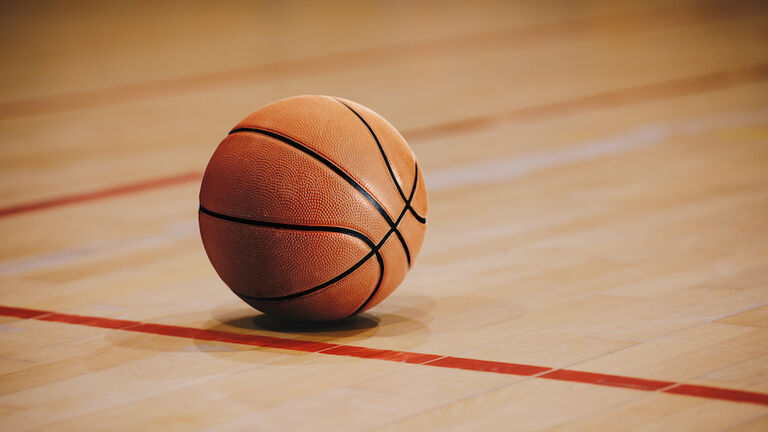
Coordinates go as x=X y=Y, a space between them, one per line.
x=312 y=207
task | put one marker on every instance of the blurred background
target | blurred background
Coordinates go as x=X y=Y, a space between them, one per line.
x=113 y=81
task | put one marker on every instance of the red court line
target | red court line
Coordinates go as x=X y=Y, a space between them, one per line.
x=662 y=90
x=719 y=393
x=476 y=365
x=651 y=92
x=488 y=366
x=220 y=336
x=607 y=380
x=628 y=22
x=375 y=353
x=108 y=323
x=102 y=193
x=21 y=312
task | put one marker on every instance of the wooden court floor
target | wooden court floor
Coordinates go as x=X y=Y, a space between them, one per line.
x=597 y=250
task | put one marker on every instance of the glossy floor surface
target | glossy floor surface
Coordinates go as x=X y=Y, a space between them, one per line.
x=597 y=250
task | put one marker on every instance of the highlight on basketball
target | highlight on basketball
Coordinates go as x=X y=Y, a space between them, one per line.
x=384 y=216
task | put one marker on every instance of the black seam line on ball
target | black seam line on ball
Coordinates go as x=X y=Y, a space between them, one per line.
x=378 y=256
x=400 y=218
x=374 y=251
x=375 y=289
x=351 y=232
x=330 y=282
x=324 y=284
x=386 y=162
x=405 y=247
x=299 y=146
x=277 y=225
x=340 y=172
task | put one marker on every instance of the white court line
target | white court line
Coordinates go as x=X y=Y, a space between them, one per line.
x=479 y=173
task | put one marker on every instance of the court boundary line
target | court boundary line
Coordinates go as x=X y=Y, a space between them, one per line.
x=97 y=194
x=650 y=92
x=678 y=87
x=422 y=359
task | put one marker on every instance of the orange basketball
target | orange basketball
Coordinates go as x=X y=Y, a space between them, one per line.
x=313 y=208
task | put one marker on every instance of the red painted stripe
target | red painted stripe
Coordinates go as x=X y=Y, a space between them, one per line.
x=656 y=91
x=380 y=354
x=20 y=312
x=706 y=392
x=719 y=393
x=86 y=320
x=236 y=338
x=661 y=90
x=102 y=193
x=606 y=380
x=488 y=366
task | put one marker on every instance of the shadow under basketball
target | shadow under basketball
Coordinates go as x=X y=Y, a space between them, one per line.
x=391 y=320
x=345 y=327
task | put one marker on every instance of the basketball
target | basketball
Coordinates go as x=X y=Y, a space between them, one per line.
x=313 y=208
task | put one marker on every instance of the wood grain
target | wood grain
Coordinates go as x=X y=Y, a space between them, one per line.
x=598 y=206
